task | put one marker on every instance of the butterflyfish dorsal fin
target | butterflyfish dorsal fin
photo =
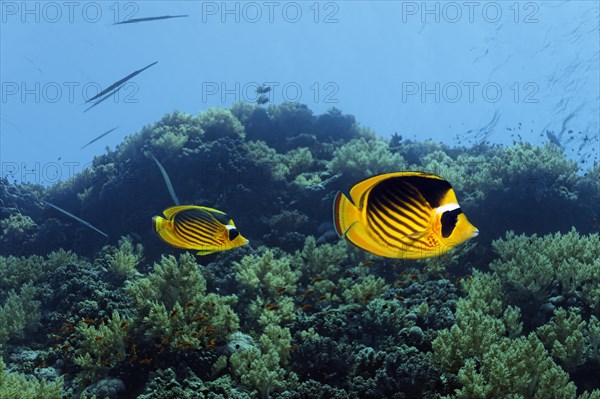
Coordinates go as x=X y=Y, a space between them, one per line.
x=434 y=189
x=176 y=209
x=357 y=193
x=220 y=216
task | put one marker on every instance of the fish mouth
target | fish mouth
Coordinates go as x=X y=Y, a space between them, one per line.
x=475 y=233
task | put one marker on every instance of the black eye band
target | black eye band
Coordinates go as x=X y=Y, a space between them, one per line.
x=449 y=219
x=233 y=233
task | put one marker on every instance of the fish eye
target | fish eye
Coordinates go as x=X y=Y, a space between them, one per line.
x=449 y=220
x=233 y=233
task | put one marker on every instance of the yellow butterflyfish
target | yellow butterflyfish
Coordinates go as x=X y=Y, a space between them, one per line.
x=409 y=215
x=199 y=228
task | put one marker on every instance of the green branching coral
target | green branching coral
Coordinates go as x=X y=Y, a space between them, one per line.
x=16 y=227
x=481 y=320
x=267 y=157
x=271 y=311
x=100 y=348
x=124 y=259
x=18 y=386
x=281 y=167
x=564 y=337
x=334 y=125
x=541 y=171
x=268 y=274
x=15 y=271
x=323 y=260
x=19 y=313
x=518 y=368
x=170 y=142
x=471 y=176
x=292 y=118
x=489 y=357
x=261 y=369
x=271 y=279
x=362 y=158
x=364 y=290
x=173 y=305
x=165 y=137
x=593 y=339
x=486 y=351
x=532 y=264
x=219 y=123
x=297 y=161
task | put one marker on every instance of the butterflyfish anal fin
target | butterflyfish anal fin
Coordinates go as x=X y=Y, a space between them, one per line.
x=205 y=252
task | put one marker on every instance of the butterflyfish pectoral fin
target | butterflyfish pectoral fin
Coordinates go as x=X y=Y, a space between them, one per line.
x=417 y=235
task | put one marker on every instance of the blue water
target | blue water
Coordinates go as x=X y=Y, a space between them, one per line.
x=456 y=72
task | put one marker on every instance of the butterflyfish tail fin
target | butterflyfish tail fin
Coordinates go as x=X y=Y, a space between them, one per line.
x=345 y=214
x=164 y=228
x=158 y=223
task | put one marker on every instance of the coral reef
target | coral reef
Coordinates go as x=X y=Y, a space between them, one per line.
x=361 y=158
x=19 y=313
x=298 y=313
x=17 y=386
x=173 y=307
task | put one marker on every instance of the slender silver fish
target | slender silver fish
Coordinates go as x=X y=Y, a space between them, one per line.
x=103 y=98
x=120 y=82
x=99 y=137
x=136 y=20
x=167 y=180
x=69 y=214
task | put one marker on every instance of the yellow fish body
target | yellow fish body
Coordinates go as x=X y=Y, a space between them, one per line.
x=198 y=228
x=409 y=215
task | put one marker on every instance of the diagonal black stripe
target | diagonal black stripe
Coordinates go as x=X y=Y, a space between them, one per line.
x=189 y=236
x=410 y=200
x=407 y=214
x=207 y=230
x=404 y=202
x=376 y=227
x=384 y=214
x=192 y=235
x=403 y=213
x=195 y=215
x=403 y=238
x=400 y=239
x=198 y=217
x=399 y=195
